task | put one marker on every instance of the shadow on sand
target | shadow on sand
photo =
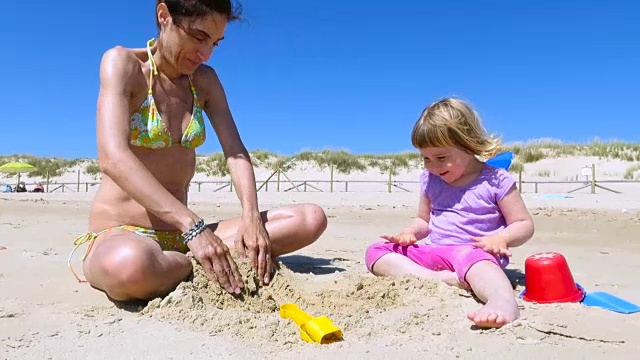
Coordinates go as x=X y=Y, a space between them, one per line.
x=516 y=277
x=313 y=265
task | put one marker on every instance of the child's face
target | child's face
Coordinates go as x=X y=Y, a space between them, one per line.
x=450 y=163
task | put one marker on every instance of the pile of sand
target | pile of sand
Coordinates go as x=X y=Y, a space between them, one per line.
x=358 y=304
x=362 y=306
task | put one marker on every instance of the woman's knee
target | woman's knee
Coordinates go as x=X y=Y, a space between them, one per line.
x=307 y=221
x=127 y=267
x=315 y=219
x=129 y=270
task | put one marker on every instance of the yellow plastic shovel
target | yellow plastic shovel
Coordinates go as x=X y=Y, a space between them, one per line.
x=319 y=329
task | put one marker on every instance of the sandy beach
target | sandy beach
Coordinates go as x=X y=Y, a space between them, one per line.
x=46 y=314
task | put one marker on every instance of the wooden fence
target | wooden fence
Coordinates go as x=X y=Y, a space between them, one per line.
x=281 y=182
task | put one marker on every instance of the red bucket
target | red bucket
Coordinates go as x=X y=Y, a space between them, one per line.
x=549 y=280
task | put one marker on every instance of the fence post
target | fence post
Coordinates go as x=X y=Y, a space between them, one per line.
x=389 y=183
x=520 y=181
x=593 y=178
x=78 y=188
x=331 y=181
x=278 y=181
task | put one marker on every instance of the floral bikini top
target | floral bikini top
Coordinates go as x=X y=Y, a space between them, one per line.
x=149 y=131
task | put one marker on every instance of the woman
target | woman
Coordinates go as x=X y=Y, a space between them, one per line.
x=149 y=123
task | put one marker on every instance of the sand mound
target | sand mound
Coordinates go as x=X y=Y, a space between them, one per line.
x=200 y=293
x=351 y=301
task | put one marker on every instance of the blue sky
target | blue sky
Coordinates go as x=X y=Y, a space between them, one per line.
x=341 y=74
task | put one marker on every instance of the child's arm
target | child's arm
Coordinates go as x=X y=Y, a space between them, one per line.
x=520 y=226
x=418 y=229
x=420 y=225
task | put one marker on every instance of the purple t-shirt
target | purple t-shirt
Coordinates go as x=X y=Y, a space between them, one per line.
x=457 y=213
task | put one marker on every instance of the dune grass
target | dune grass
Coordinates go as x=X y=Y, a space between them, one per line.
x=341 y=160
x=92 y=168
x=632 y=172
x=345 y=162
x=535 y=150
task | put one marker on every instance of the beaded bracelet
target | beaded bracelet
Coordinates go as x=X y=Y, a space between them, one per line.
x=194 y=231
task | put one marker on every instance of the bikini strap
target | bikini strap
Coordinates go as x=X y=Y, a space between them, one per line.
x=152 y=64
x=193 y=88
x=90 y=238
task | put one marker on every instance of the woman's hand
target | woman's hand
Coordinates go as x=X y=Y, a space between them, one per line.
x=402 y=239
x=253 y=240
x=215 y=258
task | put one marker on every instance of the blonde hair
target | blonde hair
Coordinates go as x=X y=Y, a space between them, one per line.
x=453 y=122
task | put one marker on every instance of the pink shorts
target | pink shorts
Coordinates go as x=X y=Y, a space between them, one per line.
x=457 y=258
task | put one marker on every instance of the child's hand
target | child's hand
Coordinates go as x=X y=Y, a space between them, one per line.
x=402 y=239
x=492 y=244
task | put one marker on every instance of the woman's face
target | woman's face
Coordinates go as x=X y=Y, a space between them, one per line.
x=191 y=42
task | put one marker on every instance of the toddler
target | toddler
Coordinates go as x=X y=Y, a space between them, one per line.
x=469 y=215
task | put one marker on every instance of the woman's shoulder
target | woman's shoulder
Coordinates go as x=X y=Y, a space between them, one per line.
x=205 y=76
x=207 y=83
x=120 y=63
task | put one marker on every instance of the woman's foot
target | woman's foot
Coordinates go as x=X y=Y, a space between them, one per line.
x=495 y=314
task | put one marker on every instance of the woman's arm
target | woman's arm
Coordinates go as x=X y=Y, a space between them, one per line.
x=115 y=158
x=238 y=158
x=252 y=237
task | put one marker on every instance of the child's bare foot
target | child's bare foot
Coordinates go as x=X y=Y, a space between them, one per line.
x=495 y=314
x=451 y=278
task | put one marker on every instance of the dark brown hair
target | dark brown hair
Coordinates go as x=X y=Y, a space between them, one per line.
x=181 y=9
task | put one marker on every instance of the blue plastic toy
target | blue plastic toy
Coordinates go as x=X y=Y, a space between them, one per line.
x=502 y=160
x=605 y=301
x=610 y=302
